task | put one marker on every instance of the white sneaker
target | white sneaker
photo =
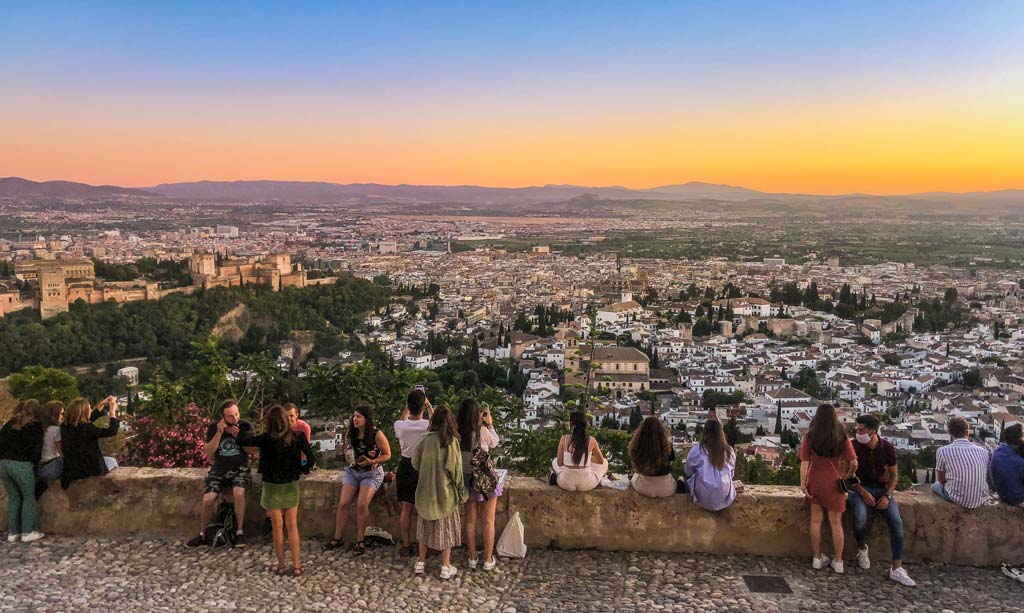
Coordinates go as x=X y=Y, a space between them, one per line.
x=899 y=575
x=447 y=572
x=820 y=562
x=837 y=567
x=863 y=560
x=489 y=566
x=13 y=538
x=472 y=564
x=418 y=569
x=31 y=536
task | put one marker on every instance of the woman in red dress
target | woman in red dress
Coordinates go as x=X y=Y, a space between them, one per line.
x=826 y=458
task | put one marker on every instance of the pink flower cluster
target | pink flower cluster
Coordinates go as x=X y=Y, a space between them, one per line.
x=179 y=445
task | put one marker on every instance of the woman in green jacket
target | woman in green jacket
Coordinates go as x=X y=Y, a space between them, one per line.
x=440 y=492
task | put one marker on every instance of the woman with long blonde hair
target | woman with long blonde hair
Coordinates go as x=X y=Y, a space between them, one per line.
x=80 y=439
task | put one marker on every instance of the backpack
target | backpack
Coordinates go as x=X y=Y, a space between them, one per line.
x=485 y=480
x=221 y=531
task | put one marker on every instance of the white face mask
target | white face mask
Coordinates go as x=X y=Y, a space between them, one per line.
x=863 y=439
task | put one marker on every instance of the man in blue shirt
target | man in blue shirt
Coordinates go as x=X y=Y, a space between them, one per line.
x=1007 y=467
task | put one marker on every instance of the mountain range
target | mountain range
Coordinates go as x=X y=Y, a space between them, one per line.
x=477 y=196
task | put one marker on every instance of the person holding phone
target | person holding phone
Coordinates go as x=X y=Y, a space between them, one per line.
x=365 y=448
x=79 y=439
x=410 y=429
x=477 y=435
x=230 y=475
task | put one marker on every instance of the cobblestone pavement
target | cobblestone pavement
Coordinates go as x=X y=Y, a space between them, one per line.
x=71 y=574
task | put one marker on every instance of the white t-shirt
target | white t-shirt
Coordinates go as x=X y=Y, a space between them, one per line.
x=50 y=439
x=410 y=432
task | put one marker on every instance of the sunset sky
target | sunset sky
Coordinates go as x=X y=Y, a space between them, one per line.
x=822 y=97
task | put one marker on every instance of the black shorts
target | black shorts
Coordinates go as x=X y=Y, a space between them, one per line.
x=406 y=479
x=222 y=481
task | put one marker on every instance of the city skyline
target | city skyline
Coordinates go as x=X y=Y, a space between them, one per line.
x=796 y=99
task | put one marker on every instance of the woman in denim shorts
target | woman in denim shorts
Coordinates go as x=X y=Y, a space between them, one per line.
x=366 y=448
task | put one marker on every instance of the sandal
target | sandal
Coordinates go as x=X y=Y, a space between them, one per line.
x=359 y=548
x=333 y=544
x=281 y=570
x=297 y=571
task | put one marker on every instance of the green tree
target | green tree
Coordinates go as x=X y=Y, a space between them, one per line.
x=43 y=384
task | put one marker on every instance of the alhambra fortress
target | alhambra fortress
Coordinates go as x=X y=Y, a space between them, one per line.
x=51 y=286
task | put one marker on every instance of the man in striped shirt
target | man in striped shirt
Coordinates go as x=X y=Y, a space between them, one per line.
x=961 y=468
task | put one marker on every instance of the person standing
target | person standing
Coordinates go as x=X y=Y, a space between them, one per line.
x=410 y=429
x=440 y=491
x=229 y=475
x=826 y=458
x=21 y=446
x=281 y=452
x=366 y=449
x=79 y=440
x=477 y=436
x=878 y=475
x=961 y=468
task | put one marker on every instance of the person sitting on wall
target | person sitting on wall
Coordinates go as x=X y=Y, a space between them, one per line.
x=651 y=454
x=961 y=468
x=579 y=464
x=710 y=468
x=79 y=439
x=878 y=475
x=230 y=474
x=1007 y=466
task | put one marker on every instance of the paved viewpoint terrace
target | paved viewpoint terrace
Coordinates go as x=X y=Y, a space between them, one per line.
x=129 y=574
x=117 y=542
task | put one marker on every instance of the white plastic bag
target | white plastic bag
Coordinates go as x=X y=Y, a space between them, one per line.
x=512 y=543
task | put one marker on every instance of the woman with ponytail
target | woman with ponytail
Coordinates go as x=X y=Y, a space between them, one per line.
x=579 y=465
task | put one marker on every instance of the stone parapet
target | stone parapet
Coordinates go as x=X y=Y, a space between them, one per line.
x=765 y=520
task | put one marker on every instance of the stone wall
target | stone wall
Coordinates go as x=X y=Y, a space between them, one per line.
x=765 y=520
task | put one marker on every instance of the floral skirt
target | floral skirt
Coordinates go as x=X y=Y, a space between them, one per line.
x=440 y=534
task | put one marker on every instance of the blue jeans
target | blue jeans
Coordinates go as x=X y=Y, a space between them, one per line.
x=51 y=470
x=940 y=490
x=891 y=514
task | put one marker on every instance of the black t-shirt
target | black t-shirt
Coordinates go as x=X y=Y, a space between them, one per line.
x=873 y=463
x=229 y=455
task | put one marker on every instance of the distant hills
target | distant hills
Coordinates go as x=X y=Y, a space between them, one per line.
x=519 y=199
x=16 y=187
x=466 y=194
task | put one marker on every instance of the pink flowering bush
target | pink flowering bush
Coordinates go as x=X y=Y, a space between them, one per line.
x=158 y=445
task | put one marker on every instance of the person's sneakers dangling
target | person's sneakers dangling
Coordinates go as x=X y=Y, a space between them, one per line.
x=15 y=538
x=198 y=541
x=837 y=567
x=419 y=568
x=239 y=539
x=820 y=562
